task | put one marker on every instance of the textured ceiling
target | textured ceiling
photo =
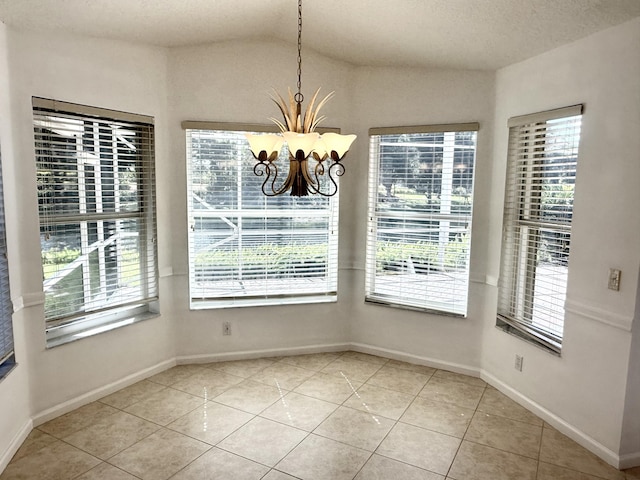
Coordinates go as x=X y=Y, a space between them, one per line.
x=476 y=34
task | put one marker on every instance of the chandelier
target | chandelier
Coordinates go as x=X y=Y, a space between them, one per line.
x=311 y=155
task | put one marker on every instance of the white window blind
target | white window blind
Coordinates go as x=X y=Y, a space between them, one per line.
x=96 y=181
x=541 y=178
x=246 y=248
x=7 y=356
x=420 y=207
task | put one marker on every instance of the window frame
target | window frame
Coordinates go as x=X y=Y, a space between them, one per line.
x=373 y=294
x=329 y=285
x=7 y=352
x=98 y=316
x=523 y=224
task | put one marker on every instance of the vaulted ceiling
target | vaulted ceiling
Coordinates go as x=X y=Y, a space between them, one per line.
x=474 y=34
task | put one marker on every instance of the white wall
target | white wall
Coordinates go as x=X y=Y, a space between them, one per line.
x=231 y=82
x=586 y=387
x=398 y=97
x=15 y=413
x=99 y=73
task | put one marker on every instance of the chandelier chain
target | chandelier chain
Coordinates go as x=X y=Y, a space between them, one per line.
x=299 y=97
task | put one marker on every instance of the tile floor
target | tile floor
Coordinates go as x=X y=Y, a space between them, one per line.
x=328 y=416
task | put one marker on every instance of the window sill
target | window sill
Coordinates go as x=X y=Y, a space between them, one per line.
x=434 y=311
x=527 y=336
x=7 y=367
x=72 y=333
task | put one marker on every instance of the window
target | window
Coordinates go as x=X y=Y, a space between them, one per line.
x=246 y=248
x=95 y=174
x=420 y=205
x=541 y=177
x=7 y=356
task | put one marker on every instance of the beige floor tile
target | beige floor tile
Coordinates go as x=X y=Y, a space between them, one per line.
x=365 y=357
x=496 y=403
x=57 y=461
x=243 y=368
x=160 y=455
x=216 y=404
x=412 y=367
x=211 y=422
x=132 y=394
x=318 y=458
x=553 y=472
x=382 y=468
x=104 y=471
x=560 y=450
x=505 y=434
x=353 y=427
x=458 y=377
x=439 y=417
x=380 y=401
x=299 y=411
x=404 y=381
x=422 y=448
x=263 y=441
x=217 y=464
x=479 y=462
x=633 y=473
x=327 y=387
x=111 y=434
x=76 y=420
x=352 y=369
x=282 y=376
x=250 y=396
x=165 y=406
x=34 y=442
x=445 y=390
x=175 y=374
x=208 y=383
x=313 y=361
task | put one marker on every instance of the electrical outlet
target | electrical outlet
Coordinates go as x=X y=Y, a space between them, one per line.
x=518 y=363
x=226 y=328
x=614 y=279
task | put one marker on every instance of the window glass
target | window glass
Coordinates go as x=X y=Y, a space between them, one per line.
x=95 y=177
x=538 y=213
x=419 y=230
x=246 y=248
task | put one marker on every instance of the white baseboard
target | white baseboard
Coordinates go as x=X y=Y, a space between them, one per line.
x=408 y=357
x=100 y=392
x=272 y=352
x=558 y=423
x=15 y=444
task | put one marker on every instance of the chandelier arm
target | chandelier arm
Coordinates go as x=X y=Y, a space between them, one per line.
x=263 y=168
x=339 y=172
x=318 y=171
x=321 y=170
x=288 y=183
